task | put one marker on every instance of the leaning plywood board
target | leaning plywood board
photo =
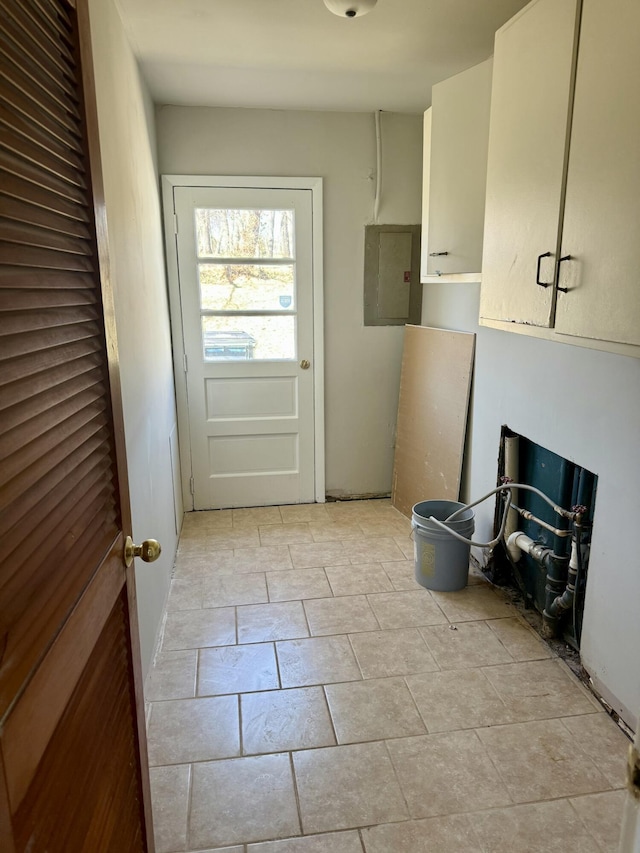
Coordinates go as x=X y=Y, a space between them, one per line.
x=432 y=415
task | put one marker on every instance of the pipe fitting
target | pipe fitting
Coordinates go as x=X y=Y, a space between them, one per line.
x=519 y=541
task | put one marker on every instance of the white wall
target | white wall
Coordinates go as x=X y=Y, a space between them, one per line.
x=137 y=263
x=362 y=365
x=585 y=406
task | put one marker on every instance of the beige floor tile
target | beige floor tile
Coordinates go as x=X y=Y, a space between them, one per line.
x=389 y=527
x=602 y=816
x=375 y=709
x=446 y=773
x=348 y=614
x=331 y=842
x=193 y=545
x=541 y=760
x=227 y=590
x=239 y=537
x=318 y=555
x=405 y=543
x=457 y=699
x=318 y=660
x=196 y=566
x=185 y=594
x=172 y=676
x=402 y=574
x=537 y=690
x=237 y=669
x=285 y=534
x=298 y=583
x=254 y=516
x=372 y=549
x=534 y=828
x=472 y=604
x=396 y=651
x=358 y=579
x=242 y=800
x=194 y=629
x=521 y=642
x=334 y=531
x=247 y=560
x=406 y=609
x=304 y=512
x=343 y=510
x=259 y=623
x=450 y=834
x=212 y=519
x=283 y=720
x=234 y=849
x=186 y=730
x=342 y=787
x=465 y=645
x=170 y=802
x=603 y=741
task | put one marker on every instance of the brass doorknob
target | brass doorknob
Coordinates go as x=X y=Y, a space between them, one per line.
x=304 y=364
x=149 y=551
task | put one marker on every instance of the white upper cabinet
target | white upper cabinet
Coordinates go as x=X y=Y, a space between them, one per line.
x=528 y=139
x=454 y=185
x=602 y=210
x=561 y=244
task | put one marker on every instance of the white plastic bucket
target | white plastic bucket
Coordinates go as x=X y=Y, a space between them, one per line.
x=441 y=560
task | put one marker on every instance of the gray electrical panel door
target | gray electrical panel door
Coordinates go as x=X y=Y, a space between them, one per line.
x=392 y=290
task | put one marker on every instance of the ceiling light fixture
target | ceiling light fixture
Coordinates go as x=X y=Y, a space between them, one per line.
x=350 y=8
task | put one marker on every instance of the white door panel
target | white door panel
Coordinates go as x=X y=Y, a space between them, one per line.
x=245 y=268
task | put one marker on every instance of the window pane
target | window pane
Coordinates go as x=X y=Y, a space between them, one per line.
x=256 y=287
x=245 y=233
x=248 y=338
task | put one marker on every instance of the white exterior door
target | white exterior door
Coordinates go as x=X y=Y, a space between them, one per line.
x=245 y=268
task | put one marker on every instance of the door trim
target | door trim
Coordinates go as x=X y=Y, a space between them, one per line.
x=177 y=334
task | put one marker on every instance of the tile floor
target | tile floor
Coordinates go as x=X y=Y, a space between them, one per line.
x=310 y=697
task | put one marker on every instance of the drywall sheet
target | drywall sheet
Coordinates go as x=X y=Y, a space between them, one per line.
x=435 y=383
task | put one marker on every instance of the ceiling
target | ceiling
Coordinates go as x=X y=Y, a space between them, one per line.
x=295 y=54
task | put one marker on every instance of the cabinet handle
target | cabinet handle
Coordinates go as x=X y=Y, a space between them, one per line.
x=560 y=260
x=542 y=283
x=437 y=254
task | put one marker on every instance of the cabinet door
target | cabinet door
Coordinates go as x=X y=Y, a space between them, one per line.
x=533 y=69
x=459 y=139
x=602 y=210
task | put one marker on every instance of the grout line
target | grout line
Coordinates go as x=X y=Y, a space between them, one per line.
x=240 y=737
x=396 y=777
x=495 y=764
x=296 y=793
x=362 y=844
x=277 y=660
x=331 y=720
x=196 y=686
x=189 y=804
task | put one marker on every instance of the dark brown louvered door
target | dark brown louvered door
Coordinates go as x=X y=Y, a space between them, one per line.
x=72 y=752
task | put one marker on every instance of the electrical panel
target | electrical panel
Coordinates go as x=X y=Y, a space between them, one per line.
x=392 y=290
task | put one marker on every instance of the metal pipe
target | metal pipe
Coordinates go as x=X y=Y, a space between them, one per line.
x=525 y=513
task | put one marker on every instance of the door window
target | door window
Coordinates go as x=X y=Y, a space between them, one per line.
x=247 y=284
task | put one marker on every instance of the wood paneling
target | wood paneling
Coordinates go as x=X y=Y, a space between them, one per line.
x=88 y=773
x=52 y=422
